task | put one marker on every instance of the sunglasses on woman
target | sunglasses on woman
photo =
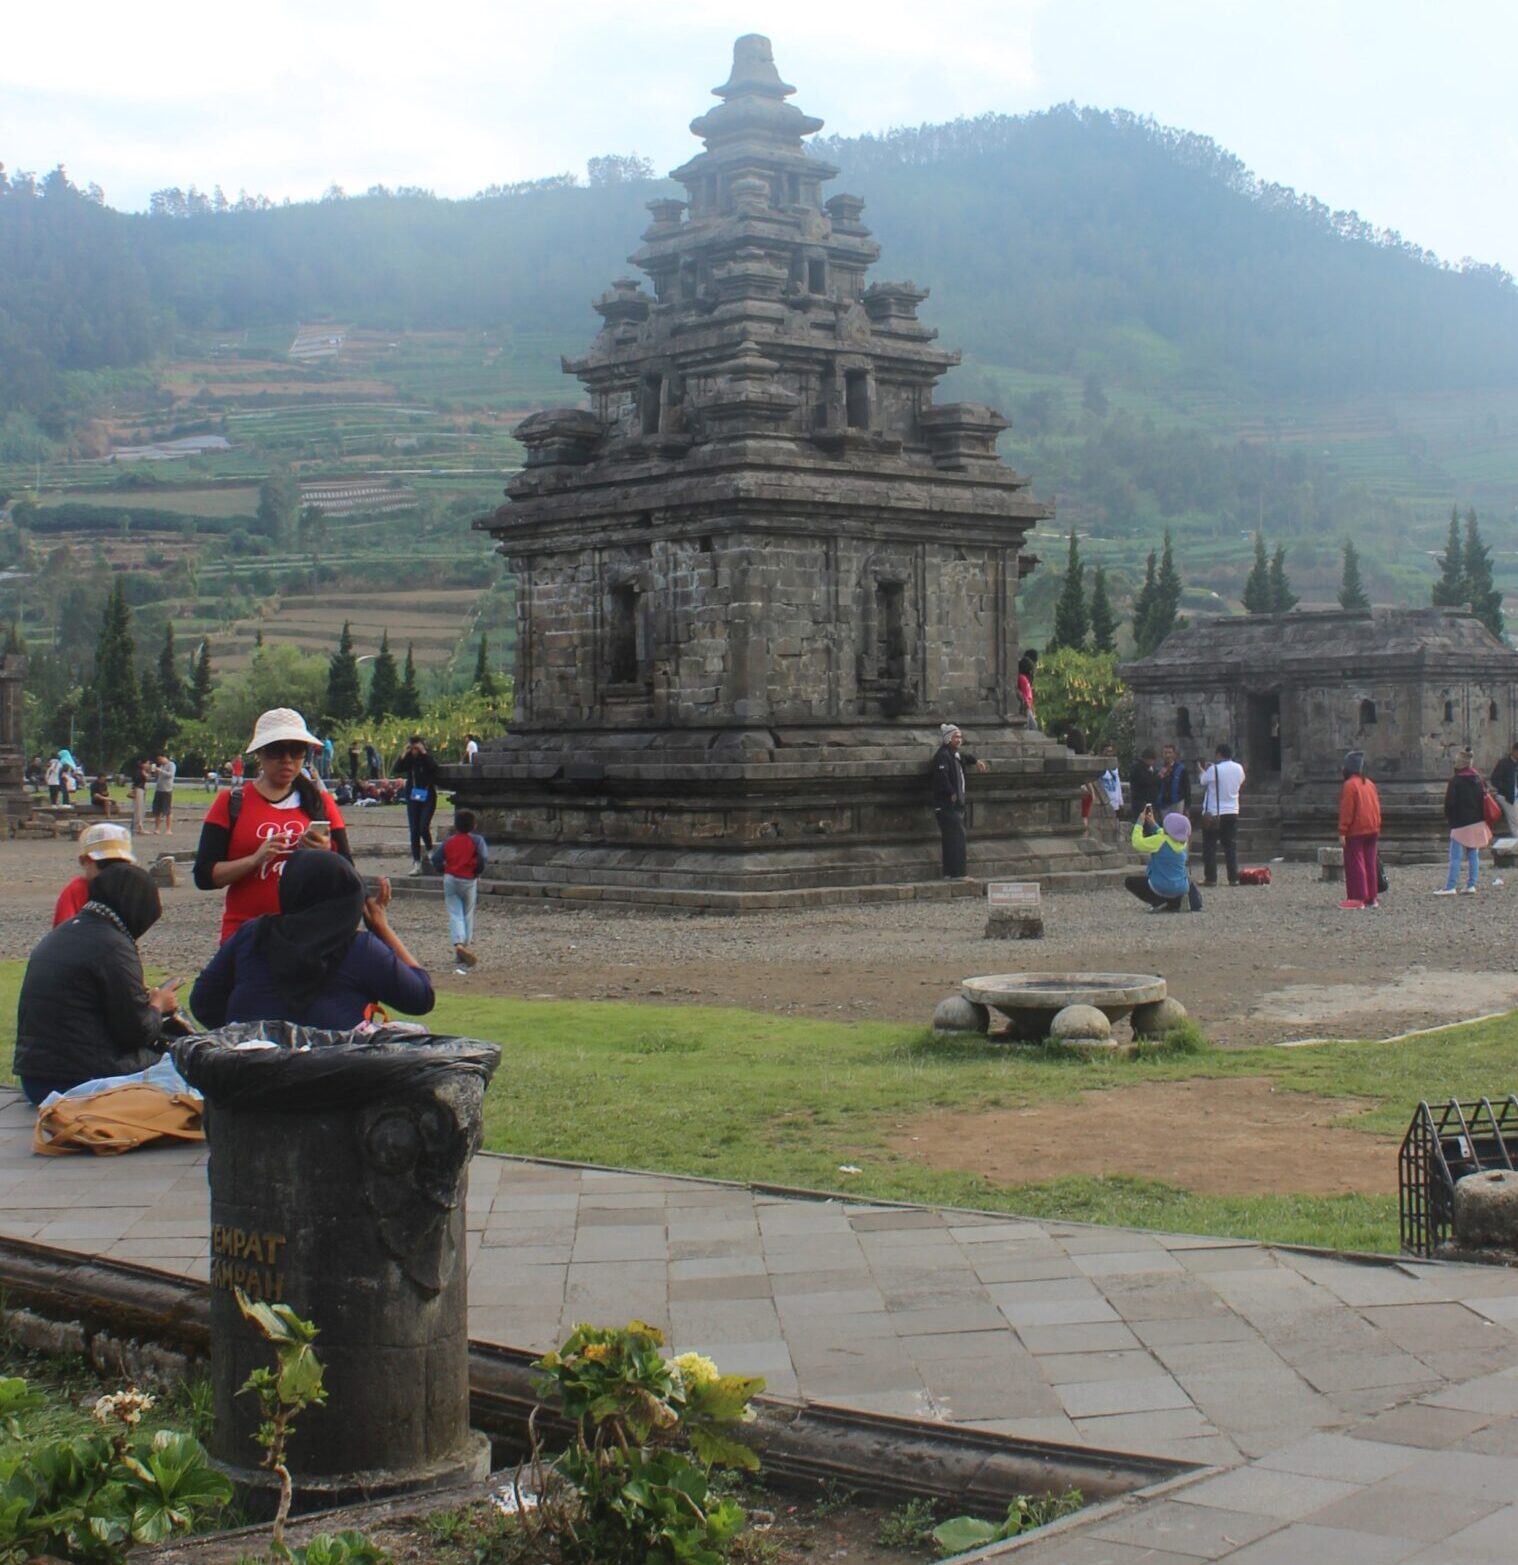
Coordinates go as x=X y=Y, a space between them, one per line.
x=285 y=752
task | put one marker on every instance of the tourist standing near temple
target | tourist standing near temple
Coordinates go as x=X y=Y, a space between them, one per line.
x=1174 y=791
x=141 y=773
x=1143 y=783
x=1360 y=833
x=420 y=771
x=1465 y=814
x=1221 y=785
x=949 y=762
x=1505 y=786
x=1111 y=779
x=1025 y=667
x=163 y=795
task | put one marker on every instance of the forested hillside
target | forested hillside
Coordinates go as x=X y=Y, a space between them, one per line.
x=1178 y=343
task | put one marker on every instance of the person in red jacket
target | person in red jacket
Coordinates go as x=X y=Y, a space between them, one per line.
x=1359 y=833
x=98 y=846
x=461 y=857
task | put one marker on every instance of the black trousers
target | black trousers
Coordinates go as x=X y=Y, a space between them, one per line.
x=1140 y=887
x=1227 y=829
x=951 y=827
x=419 y=813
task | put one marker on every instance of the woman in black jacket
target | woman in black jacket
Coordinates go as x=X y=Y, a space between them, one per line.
x=420 y=771
x=1465 y=815
x=85 y=1008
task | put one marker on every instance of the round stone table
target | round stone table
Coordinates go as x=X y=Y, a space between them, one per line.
x=1030 y=1001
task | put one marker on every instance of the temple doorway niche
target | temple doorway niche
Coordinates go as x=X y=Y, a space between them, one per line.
x=1263 y=739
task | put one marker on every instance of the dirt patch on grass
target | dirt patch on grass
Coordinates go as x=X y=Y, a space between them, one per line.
x=1228 y=1137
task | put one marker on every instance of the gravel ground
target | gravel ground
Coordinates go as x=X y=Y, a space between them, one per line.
x=1256 y=966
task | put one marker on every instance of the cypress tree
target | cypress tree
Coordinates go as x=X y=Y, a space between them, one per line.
x=384 y=683
x=1163 y=614
x=1103 y=620
x=1351 y=591
x=1071 y=621
x=1142 y=603
x=1257 y=596
x=113 y=703
x=408 y=699
x=1282 y=599
x=484 y=680
x=1482 y=592
x=1451 y=591
x=200 y=680
x=171 y=689
x=345 y=700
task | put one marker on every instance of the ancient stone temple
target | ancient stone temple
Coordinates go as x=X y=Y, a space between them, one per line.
x=1293 y=692
x=758 y=570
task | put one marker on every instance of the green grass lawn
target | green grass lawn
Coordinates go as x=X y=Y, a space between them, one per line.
x=747 y=1096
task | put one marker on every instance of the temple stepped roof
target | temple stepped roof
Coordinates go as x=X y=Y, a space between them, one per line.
x=1332 y=640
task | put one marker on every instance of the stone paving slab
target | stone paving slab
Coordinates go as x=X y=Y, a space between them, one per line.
x=1362 y=1411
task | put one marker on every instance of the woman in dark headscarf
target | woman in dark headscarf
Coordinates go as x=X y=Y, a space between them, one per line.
x=85 y=1009
x=311 y=963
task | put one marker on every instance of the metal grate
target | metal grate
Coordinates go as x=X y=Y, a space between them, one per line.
x=1444 y=1143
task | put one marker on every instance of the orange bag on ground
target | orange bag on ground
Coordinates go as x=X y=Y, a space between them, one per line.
x=119 y=1119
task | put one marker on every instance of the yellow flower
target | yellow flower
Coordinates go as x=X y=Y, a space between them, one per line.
x=696 y=1370
x=597 y=1352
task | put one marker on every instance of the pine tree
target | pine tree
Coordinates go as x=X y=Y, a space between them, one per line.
x=384 y=683
x=484 y=680
x=1451 y=590
x=1482 y=592
x=1103 y=620
x=1282 y=599
x=1071 y=621
x=408 y=699
x=113 y=703
x=345 y=700
x=171 y=691
x=1163 y=613
x=1257 y=597
x=200 y=681
x=1142 y=603
x=1352 y=596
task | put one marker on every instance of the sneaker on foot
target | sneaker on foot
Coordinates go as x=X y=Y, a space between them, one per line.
x=1467 y=891
x=463 y=972
x=416 y=867
x=1445 y=891
x=1353 y=903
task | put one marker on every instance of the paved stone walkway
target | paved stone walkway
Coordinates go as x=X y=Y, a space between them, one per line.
x=1366 y=1412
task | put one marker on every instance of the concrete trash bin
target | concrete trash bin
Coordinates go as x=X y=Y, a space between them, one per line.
x=339 y=1165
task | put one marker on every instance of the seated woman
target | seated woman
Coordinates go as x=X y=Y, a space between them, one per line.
x=1168 y=882
x=85 y=1009
x=310 y=963
x=100 y=795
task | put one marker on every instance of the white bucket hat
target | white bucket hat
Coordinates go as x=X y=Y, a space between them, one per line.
x=104 y=843
x=282 y=723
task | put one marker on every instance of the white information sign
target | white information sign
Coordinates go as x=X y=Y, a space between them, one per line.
x=1012 y=893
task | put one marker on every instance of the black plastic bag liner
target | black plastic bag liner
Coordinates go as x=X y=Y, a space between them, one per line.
x=308 y=1068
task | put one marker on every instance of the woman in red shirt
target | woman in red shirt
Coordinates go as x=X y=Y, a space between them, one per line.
x=250 y=832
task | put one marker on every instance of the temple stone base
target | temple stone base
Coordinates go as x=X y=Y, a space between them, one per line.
x=785 y=815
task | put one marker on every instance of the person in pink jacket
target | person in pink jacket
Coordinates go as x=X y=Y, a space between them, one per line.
x=1359 y=833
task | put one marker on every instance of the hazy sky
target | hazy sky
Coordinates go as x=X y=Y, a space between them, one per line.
x=1402 y=109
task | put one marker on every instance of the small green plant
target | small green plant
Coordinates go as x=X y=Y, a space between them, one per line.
x=962 y=1533
x=193 y=1397
x=908 y=1527
x=834 y=1498
x=16 y=1398
x=92 y=1497
x=339 y=1548
x=634 y=1486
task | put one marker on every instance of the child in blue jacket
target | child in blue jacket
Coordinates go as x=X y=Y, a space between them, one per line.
x=1168 y=881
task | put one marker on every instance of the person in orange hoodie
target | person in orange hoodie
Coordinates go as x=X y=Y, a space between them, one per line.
x=1359 y=832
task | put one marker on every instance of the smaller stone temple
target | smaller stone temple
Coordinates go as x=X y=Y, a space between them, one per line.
x=1292 y=693
x=756 y=573
x=15 y=802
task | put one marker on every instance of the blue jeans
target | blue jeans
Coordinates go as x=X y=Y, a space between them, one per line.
x=1472 y=861
x=459 y=898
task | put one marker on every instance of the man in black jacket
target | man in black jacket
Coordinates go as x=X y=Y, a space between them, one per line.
x=1143 y=784
x=949 y=762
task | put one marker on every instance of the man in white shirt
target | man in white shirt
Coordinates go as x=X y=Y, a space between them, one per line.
x=1221 y=784
x=1111 y=780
